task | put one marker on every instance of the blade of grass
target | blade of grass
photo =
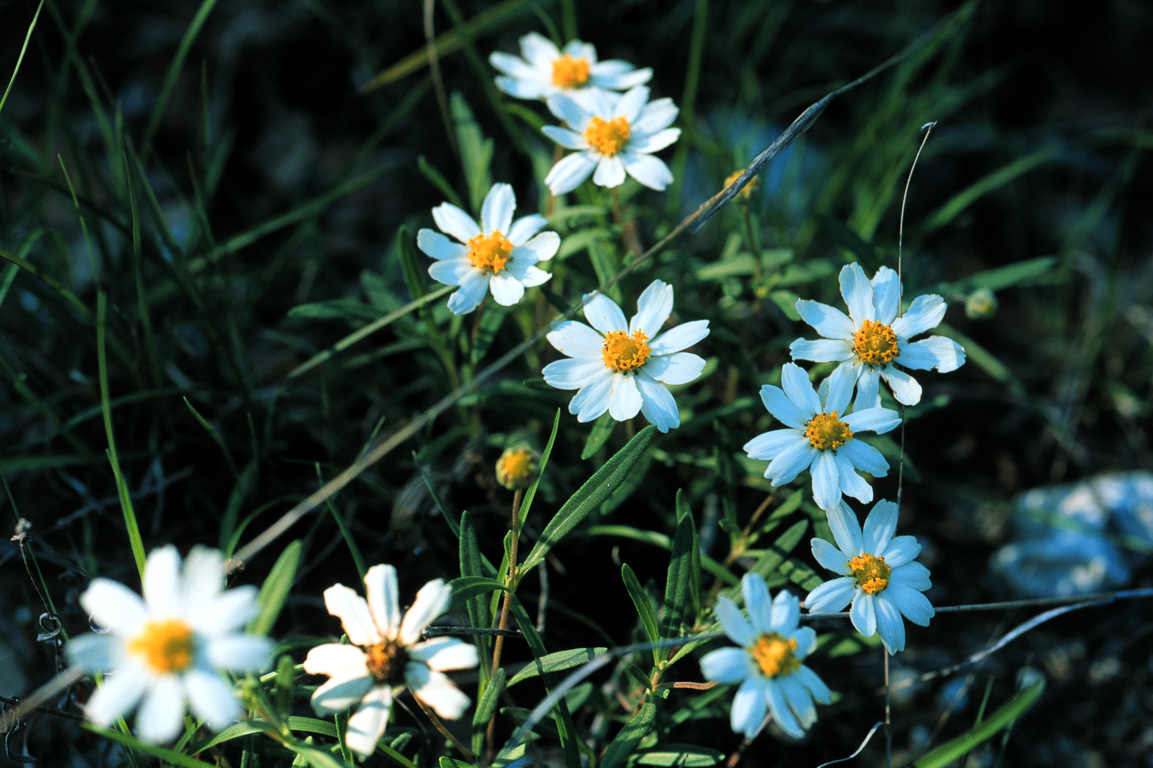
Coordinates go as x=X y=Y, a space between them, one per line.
x=20 y=58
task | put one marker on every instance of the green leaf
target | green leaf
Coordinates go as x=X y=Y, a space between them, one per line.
x=682 y=581
x=598 y=436
x=486 y=705
x=489 y=325
x=1020 y=273
x=467 y=587
x=530 y=494
x=1033 y=683
x=171 y=755
x=475 y=150
x=995 y=180
x=630 y=736
x=614 y=472
x=409 y=267
x=276 y=587
x=475 y=579
x=772 y=557
x=644 y=608
x=680 y=756
x=317 y=758
x=555 y=662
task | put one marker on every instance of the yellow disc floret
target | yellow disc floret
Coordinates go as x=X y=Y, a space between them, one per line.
x=516 y=468
x=385 y=661
x=775 y=655
x=570 y=72
x=871 y=573
x=165 y=645
x=875 y=343
x=827 y=433
x=607 y=136
x=489 y=252
x=623 y=353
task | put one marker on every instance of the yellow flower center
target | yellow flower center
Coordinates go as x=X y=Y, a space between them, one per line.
x=623 y=353
x=748 y=189
x=775 y=655
x=826 y=432
x=875 y=343
x=568 y=72
x=165 y=645
x=386 y=661
x=607 y=136
x=489 y=252
x=515 y=468
x=871 y=573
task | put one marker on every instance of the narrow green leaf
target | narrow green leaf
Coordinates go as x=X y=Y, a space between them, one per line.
x=23 y=50
x=530 y=494
x=598 y=436
x=276 y=587
x=555 y=662
x=680 y=756
x=630 y=736
x=475 y=150
x=1001 y=719
x=409 y=267
x=644 y=608
x=486 y=705
x=683 y=510
x=679 y=581
x=614 y=472
x=1020 y=273
x=772 y=557
x=171 y=755
x=995 y=180
x=466 y=587
x=470 y=587
x=490 y=323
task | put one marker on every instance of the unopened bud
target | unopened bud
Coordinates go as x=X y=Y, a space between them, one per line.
x=981 y=304
x=516 y=468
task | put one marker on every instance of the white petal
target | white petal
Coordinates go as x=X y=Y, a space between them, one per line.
x=857 y=293
x=677 y=368
x=934 y=352
x=569 y=172
x=431 y=602
x=681 y=337
x=646 y=143
x=544 y=246
x=863 y=614
x=617 y=75
x=225 y=612
x=648 y=170
x=352 y=611
x=749 y=704
x=383 y=599
x=95 y=653
x=437 y=691
x=506 y=289
x=115 y=606
x=604 y=314
x=790 y=462
x=797 y=387
x=340 y=693
x=886 y=295
x=814 y=685
x=203 y=581
x=445 y=653
x=238 y=653
x=454 y=221
x=336 y=660
x=851 y=483
x=880 y=525
x=830 y=557
x=915 y=606
x=889 y=624
x=367 y=726
x=766 y=446
x=567 y=109
x=924 y=313
x=438 y=246
x=868 y=388
x=783 y=409
x=879 y=420
x=846 y=529
x=841 y=382
x=520 y=89
x=525 y=227
x=806 y=638
x=821 y=350
x=826 y=480
x=610 y=172
x=653 y=308
x=529 y=277
x=900 y=551
x=865 y=457
x=785 y=614
x=160 y=716
x=913 y=575
x=779 y=706
x=573 y=373
x=162 y=585
x=832 y=596
x=509 y=64
x=657 y=403
x=212 y=699
x=451 y=272
x=630 y=103
x=576 y=339
x=905 y=388
x=472 y=291
x=593 y=399
x=117 y=695
x=727 y=665
x=625 y=400
x=538 y=49
x=566 y=138
x=655 y=117
x=758 y=605
x=799 y=701
x=497 y=209
x=733 y=622
x=827 y=321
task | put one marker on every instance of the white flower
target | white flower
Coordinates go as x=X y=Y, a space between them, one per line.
x=817 y=438
x=170 y=647
x=544 y=69
x=621 y=368
x=615 y=134
x=877 y=574
x=872 y=341
x=768 y=663
x=385 y=654
x=497 y=254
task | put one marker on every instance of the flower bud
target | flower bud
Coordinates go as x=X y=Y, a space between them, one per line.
x=981 y=304
x=517 y=468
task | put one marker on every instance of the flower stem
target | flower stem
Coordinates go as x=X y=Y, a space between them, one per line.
x=468 y=755
x=510 y=582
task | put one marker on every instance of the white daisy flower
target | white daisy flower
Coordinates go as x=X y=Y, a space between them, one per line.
x=543 y=69
x=877 y=574
x=872 y=341
x=621 y=368
x=768 y=664
x=385 y=654
x=170 y=647
x=615 y=134
x=817 y=438
x=497 y=254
